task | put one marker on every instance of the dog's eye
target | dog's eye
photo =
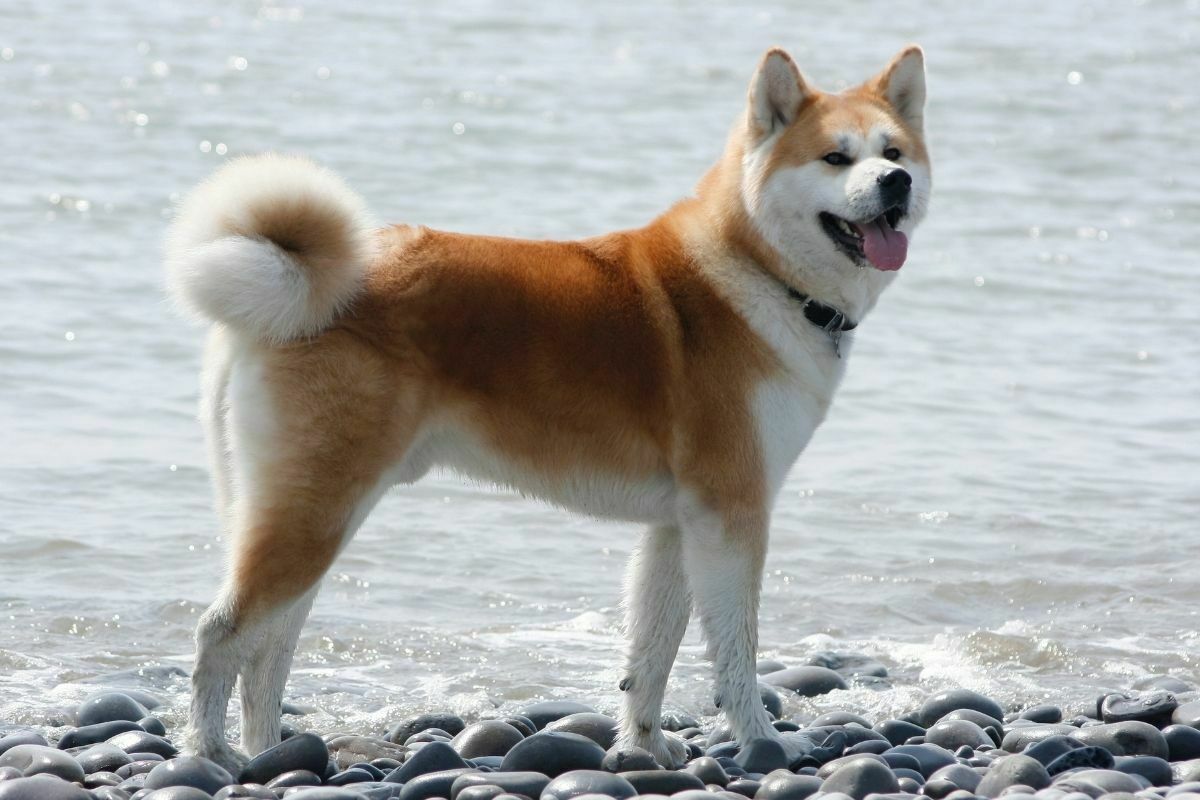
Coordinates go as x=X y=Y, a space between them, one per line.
x=891 y=154
x=837 y=159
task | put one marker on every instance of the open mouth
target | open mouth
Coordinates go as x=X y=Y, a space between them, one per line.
x=875 y=241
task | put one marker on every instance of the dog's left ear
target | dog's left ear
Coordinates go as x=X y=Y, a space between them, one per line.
x=902 y=84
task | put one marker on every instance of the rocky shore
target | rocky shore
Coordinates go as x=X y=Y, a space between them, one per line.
x=1141 y=744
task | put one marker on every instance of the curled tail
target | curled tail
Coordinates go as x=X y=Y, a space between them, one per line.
x=272 y=246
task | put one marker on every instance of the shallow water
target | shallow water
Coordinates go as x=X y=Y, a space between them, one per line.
x=1004 y=496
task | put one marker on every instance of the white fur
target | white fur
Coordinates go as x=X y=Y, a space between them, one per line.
x=221 y=266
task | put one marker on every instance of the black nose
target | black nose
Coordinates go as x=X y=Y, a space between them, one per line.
x=894 y=184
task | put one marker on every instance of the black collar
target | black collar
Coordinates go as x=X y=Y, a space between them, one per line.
x=827 y=318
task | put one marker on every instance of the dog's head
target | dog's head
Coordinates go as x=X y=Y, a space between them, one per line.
x=835 y=183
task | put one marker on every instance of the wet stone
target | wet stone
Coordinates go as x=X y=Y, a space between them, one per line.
x=1015 y=770
x=1052 y=747
x=1133 y=738
x=898 y=731
x=676 y=721
x=238 y=791
x=450 y=723
x=433 y=757
x=771 y=700
x=37 y=759
x=189 y=771
x=108 y=707
x=302 y=751
x=833 y=766
x=142 y=742
x=1105 y=780
x=769 y=665
x=91 y=734
x=861 y=777
x=103 y=757
x=958 y=775
x=22 y=737
x=600 y=728
x=745 y=787
x=296 y=777
x=1017 y=739
x=1154 y=708
x=1155 y=770
x=41 y=787
x=432 y=784
x=783 y=785
x=543 y=713
x=806 y=681
x=662 y=781
x=529 y=784
x=943 y=703
x=553 y=753
x=762 y=756
x=708 y=770
x=626 y=758
x=1187 y=714
x=1166 y=682
x=588 y=781
x=848 y=665
x=177 y=793
x=955 y=733
x=152 y=725
x=1089 y=757
x=1183 y=742
x=839 y=718
x=1044 y=713
x=929 y=756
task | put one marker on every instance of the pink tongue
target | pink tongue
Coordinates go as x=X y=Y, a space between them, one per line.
x=885 y=248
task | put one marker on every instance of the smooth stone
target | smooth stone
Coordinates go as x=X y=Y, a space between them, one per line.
x=137 y=768
x=746 y=787
x=94 y=780
x=434 y=784
x=958 y=775
x=1087 y=757
x=23 y=737
x=189 y=771
x=110 y=793
x=771 y=700
x=783 y=785
x=1017 y=739
x=41 y=787
x=661 y=781
x=324 y=793
x=806 y=681
x=296 y=777
x=1106 y=780
x=1154 y=708
x=1187 y=714
x=984 y=721
x=302 y=751
x=102 y=757
x=38 y=759
x=762 y=756
x=898 y=731
x=239 y=791
x=153 y=725
x=955 y=733
x=909 y=786
x=450 y=723
x=433 y=757
x=485 y=791
x=1167 y=682
x=177 y=793
x=870 y=746
x=1183 y=742
x=109 y=707
x=943 y=703
x=627 y=758
x=529 y=784
x=848 y=664
x=1045 y=714
x=677 y=721
x=588 y=781
x=543 y=713
x=839 y=718
x=708 y=770
x=1013 y=770
x=769 y=665
x=861 y=777
x=1132 y=738
x=348 y=749
x=142 y=742
x=830 y=767
x=1156 y=770
x=600 y=728
x=553 y=753
x=929 y=756
x=1184 y=788
x=912 y=774
x=352 y=775
x=1051 y=748
x=901 y=761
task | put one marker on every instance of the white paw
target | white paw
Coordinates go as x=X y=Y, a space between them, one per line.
x=224 y=755
x=668 y=749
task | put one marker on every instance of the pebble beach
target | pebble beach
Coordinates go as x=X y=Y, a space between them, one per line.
x=957 y=744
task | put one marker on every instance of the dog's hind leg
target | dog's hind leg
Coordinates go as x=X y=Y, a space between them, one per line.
x=723 y=556
x=312 y=436
x=657 y=607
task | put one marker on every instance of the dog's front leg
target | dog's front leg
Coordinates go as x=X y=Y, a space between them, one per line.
x=657 y=607
x=723 y=555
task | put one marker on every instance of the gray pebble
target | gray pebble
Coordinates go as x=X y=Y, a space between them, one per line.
x=177 y=793
x=898 y=731
x=1051 y=748
x=553 y=753
x=929 y=756
x=861 y=777
x=708 y=770
x=1044 y=714
x=37 y=759
x=955 y=733
x=100 y=732
x=1133 y=738
x=302 y=751
x=960 y=775
x=189 y=771
x=600 y=728
x=661 y=781
x=1187 y=714
x=109 y=707
x=943 y=703
x=783 y=785
x=41 y=787
x=1017 y=739
x=238 y=791
x=142 y=742
x=1155 y=770
x=547 y=711
x=433 y=757
x=1011 y=771
x=839 y=718
x=1089 y=757
x=490 y=737
x=806 y=681
x=297 y=777
x=22 y=737
x=103 y=757
x=625 y=758
x=1154 y=708
x=768 y=665
x=1104 y=780
x=848 y=664
x=588 y=781
x=432 y=784
x=1183 y=742
x=529 y=784
x=762 y=756
x=399 y=732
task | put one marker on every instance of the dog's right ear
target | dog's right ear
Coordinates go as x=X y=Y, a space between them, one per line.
x=776 y=94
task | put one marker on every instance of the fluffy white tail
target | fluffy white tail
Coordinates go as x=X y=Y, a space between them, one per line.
x=272 y=246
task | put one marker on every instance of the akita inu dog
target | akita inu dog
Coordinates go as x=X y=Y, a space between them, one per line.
x=668 y=375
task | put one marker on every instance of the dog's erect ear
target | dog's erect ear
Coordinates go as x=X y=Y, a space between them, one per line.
x=902 y=84
x=776 y=94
